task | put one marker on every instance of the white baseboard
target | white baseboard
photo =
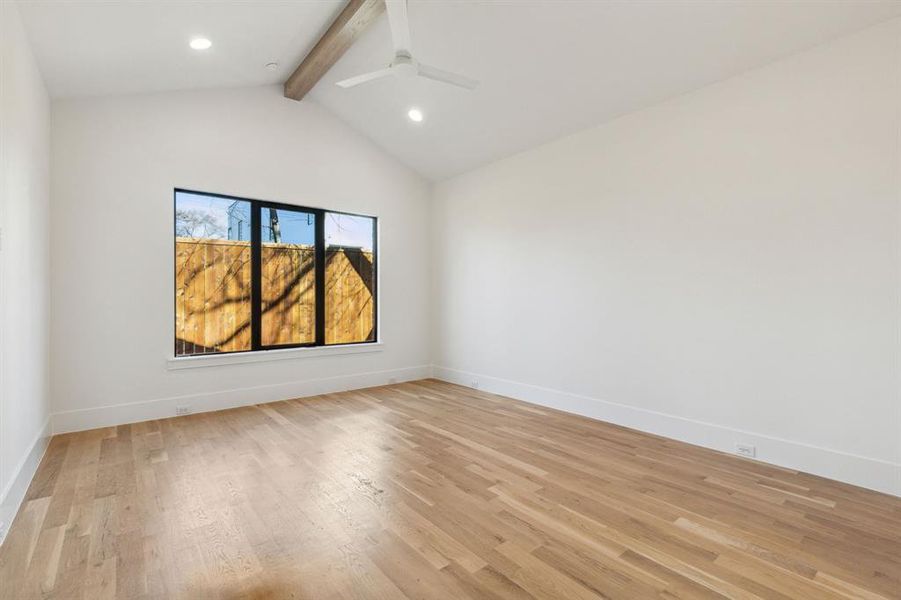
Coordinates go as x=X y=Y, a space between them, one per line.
x=875 y=474
x=14 y=492
x=161 y=408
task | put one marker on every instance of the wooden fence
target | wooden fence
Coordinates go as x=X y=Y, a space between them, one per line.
x=212 y=295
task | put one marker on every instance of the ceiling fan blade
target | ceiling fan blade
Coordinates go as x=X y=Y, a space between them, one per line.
x=400 y=26
x=352 y=81
x=447 y=77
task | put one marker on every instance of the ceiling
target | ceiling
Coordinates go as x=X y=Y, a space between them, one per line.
x=547 y=68
x=90 y=47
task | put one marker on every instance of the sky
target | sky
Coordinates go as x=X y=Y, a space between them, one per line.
x=296 y=227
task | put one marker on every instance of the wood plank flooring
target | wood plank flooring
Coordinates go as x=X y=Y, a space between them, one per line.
x=428 y=490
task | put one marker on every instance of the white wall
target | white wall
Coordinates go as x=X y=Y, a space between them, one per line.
x=720 y=268
x=115 y=163
x=24 y=263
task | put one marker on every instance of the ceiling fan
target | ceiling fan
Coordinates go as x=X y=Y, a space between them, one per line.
x=404 y=65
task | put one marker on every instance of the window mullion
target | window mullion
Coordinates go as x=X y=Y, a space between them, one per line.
x=256 y=286
x=320 y=277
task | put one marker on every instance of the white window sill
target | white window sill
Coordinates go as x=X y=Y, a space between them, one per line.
x=215 y=360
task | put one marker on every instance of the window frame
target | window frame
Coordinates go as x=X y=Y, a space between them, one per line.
x=256 y=283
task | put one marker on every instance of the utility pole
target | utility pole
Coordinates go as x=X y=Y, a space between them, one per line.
x=276 y=234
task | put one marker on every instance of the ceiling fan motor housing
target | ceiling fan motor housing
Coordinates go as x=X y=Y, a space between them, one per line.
x=404 y=65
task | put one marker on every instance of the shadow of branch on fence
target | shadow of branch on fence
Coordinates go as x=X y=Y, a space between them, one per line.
x=358 y=259
x=272 y=304
x=213 y=299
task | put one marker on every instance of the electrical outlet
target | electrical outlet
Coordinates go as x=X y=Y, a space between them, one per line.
x=746 y=450
x=182 y=410
x=475 y=384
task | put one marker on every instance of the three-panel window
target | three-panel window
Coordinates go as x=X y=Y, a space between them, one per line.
x=256 y=275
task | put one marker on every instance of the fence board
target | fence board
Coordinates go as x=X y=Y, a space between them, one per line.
x=212 y=295
x=289 y=294
x=349 y=309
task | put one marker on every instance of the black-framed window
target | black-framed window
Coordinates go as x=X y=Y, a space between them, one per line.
x=258 y=275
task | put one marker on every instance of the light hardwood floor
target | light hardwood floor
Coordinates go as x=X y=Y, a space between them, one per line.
x=429 y=490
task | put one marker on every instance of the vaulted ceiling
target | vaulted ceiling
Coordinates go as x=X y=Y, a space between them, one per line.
x=547 y=68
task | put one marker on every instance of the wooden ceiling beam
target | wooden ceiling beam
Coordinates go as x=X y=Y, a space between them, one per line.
x=347 y=27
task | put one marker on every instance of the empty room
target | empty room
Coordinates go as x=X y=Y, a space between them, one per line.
x=450 y=299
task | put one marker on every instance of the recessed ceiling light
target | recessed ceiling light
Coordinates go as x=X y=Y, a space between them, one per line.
x=201 y=43
x=415 y=115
